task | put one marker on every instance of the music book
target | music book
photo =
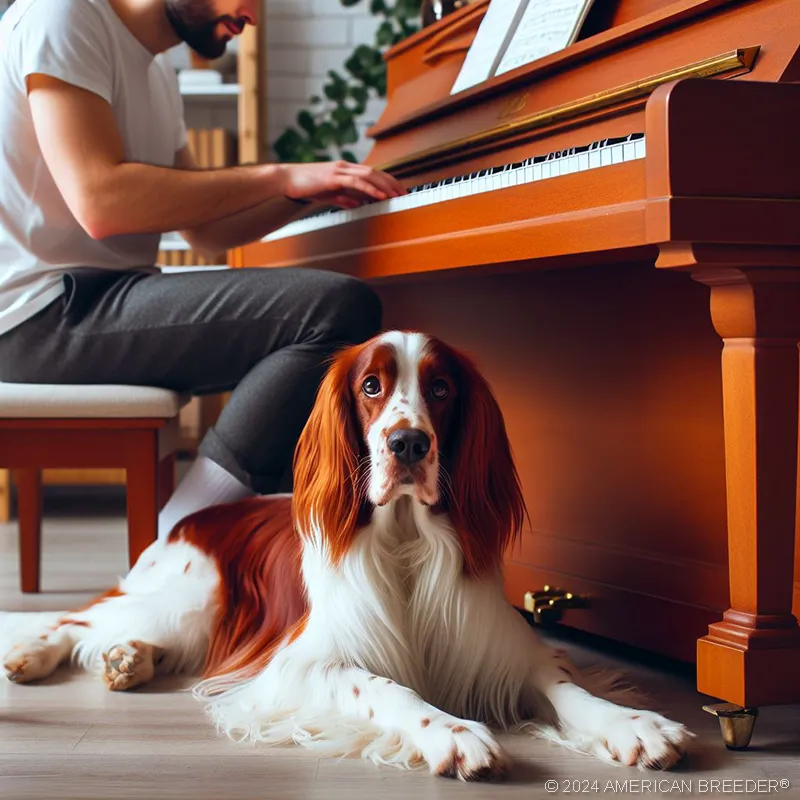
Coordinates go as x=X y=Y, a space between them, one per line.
x=517 y=32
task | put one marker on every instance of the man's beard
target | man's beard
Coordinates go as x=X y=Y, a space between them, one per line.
x=194 y=22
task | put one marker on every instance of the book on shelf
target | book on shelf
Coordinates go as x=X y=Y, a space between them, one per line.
x=211 y=148
x=517 y=32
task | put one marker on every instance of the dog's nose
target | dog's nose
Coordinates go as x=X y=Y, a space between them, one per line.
x=409 y=445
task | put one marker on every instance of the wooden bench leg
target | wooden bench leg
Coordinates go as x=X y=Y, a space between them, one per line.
x=142 y=492
x=29 y=494
x=5 y=495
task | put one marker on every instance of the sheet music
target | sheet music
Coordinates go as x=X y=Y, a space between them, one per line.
x=545 y=27
x=488 y=46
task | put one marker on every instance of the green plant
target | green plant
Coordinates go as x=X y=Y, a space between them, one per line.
x=325 y=130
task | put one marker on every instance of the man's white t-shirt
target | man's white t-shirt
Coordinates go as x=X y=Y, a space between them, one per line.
x=82 y=42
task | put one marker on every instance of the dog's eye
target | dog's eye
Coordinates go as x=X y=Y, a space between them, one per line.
x=371 y=386
x=440 y=389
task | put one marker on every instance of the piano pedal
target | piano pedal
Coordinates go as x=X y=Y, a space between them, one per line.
x=549 y=603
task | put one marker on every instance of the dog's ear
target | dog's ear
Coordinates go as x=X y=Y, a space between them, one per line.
x=484 y=496
x=328 y=495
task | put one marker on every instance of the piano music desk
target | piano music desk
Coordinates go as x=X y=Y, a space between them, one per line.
x=638 y=317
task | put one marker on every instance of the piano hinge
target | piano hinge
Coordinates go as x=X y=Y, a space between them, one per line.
x=739 y=60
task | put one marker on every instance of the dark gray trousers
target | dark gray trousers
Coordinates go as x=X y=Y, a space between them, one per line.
x=263 y=334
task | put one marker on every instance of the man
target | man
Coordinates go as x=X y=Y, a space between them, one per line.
x=94 y=167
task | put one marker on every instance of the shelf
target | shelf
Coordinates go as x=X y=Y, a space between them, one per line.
x=204 y=268
x=221 y=91
x=173 y=241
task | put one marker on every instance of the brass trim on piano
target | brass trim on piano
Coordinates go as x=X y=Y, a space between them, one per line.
x=739 y=60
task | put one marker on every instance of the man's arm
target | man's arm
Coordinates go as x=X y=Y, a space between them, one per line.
x=108 y=196
x=240 y=228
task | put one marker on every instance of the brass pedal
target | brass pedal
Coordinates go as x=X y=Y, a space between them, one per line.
x=735 y=722
x=549 y=603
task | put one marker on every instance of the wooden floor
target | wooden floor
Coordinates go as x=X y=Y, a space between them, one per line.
x=70 y=738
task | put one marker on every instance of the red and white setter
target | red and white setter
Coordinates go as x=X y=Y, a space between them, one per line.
x=365 y=613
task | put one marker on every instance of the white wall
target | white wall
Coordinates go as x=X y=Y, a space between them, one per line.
x=306 y=38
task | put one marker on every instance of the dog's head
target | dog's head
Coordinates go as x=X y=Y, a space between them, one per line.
x=405 y=414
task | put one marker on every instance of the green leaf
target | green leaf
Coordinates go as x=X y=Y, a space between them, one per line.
x=354 y=66
x=324 y=136
x=385 y=34
x=348 y=134
x=368 y=55
x=306 y=121
x=349 y=155
x=336 y=91
x=342 y=116
x=410 y=8
x=377 y=7
x=360 y=95
x=291 y=146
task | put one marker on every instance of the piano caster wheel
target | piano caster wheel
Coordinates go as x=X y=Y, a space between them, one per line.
x=735 y=722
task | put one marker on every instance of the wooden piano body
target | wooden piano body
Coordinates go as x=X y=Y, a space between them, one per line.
x=638 y=322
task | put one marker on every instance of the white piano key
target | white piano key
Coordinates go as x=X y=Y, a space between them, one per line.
x=628 y=151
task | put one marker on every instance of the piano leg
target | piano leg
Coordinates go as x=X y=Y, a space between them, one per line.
x=752 y=656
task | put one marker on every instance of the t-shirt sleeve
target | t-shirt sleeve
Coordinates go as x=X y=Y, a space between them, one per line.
x=67 y=41
x=181 y=138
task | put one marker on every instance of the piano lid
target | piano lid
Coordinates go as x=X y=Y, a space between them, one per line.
x=626 y=49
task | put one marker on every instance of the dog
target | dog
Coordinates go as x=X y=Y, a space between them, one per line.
x=364 y=614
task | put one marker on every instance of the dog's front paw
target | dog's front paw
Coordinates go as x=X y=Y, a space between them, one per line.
x=464 y=750
x=645 y=739
x=31 y=661
x=128 y=665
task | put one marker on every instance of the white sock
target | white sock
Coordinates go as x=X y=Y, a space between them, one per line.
x=206 y=484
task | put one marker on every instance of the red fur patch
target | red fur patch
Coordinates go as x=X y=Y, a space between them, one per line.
x=485 y=498
x=327 y=489
x=68 y=620
x=260 y=598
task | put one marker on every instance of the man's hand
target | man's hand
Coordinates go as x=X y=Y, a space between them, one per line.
x=338 y=183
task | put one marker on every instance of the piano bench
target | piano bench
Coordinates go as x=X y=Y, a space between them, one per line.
x=100 y=426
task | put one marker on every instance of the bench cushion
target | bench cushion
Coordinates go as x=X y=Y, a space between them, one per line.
x=46 y=401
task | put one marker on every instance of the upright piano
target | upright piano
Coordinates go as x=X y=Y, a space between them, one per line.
x=613 y=231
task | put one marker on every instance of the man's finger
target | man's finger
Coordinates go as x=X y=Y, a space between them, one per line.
x=388 y=183
x=363 y=187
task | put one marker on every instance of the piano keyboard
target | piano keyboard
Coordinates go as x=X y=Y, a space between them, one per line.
x=604 y=153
